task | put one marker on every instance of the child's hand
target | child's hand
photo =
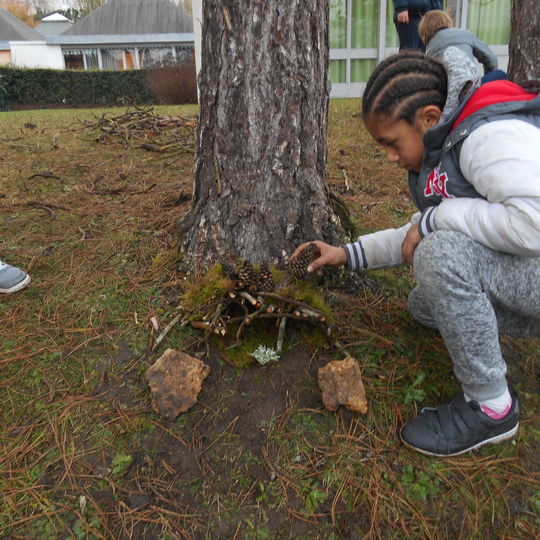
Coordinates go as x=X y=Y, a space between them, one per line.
x=412 y=239
x=328 y=255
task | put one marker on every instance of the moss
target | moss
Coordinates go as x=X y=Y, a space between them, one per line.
x=205 y=288
x=305 y=292
x=239 y=354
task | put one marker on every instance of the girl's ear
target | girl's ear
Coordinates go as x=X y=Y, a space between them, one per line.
x=428 y=116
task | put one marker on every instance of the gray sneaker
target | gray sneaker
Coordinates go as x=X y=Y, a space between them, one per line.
x=12 y=279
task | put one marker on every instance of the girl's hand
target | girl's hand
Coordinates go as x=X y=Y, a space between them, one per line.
x=412 y=239
x=328 y=255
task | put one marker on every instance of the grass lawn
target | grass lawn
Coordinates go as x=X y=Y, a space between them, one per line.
x=84 y=455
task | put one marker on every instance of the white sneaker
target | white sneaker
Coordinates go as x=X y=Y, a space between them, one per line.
x=12 y=279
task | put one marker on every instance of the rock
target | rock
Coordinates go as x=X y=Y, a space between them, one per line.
x=341 y=384
x=175 y=381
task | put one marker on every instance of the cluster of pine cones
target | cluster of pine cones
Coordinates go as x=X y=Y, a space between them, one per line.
x=252 y=280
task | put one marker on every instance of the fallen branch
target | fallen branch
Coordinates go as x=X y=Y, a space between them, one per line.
x=44 y=174
x=167 y=329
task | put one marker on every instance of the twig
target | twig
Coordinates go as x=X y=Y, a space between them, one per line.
x=167 y=329
x=249 y=298
x=281 y=334
x=346 y=178
x=291 y=301
x=44 y=174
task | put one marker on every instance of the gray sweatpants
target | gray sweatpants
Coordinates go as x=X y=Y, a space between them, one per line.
x=471 y=294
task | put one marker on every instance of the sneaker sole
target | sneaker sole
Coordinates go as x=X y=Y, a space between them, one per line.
x=21 y=285
x=493 y=440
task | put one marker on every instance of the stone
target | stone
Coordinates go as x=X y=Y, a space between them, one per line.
x=341 y=384
x=175 y=382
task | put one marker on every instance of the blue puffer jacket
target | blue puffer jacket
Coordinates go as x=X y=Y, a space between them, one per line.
x=416 y=6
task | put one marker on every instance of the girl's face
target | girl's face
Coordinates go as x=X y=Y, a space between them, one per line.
x=403 y=142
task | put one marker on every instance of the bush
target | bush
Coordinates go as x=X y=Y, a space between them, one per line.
x=3 y=93
x=174 y=85
x=49 y=87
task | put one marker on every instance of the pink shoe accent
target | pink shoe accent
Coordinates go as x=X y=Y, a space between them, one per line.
x=494 y=414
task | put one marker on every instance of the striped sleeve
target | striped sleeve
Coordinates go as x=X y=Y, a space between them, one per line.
x=427 y=221
x=356 y=258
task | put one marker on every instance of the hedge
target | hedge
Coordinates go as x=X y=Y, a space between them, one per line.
x=76 y=88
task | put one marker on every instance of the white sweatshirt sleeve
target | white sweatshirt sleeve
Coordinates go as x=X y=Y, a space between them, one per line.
x=378 y=250
x=502 y=161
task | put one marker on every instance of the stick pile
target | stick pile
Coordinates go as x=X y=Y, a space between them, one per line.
x=251 y=296
x=143 y=128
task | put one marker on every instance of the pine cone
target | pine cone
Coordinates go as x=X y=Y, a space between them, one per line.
x=266 y=282
x=298 y=267
x=247 y=277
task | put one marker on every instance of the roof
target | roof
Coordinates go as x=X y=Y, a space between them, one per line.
x=53 y=28
x=55 y=17
x=134 y=17
x=13 y=29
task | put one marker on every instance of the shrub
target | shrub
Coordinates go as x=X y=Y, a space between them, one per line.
x=3 y=93
x=75 y=88
x=174 y=85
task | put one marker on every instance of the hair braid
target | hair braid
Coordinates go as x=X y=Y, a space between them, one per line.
x=403 y=83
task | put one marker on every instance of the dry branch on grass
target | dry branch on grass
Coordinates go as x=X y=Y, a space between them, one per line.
x=143 y=128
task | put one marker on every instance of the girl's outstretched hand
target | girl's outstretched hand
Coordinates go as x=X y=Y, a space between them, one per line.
x=328 y=255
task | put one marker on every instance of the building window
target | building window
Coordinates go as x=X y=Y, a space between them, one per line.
x=338 y=71
x=119 y=59
x=490 y=20
x=81 y=59
x=361 y=69
x=364 y=27
x=338 y=24
x=74 y=59
x=165 y=56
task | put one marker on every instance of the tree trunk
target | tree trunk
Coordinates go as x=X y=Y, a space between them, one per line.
x=260 y=167
x=524 y=47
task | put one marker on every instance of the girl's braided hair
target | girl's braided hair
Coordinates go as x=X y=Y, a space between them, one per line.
x=403 y=83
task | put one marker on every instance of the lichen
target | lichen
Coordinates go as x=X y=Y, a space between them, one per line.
x=264 y=355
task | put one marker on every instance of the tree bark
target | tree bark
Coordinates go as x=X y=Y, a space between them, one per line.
x=260 y=168
x=524 y=47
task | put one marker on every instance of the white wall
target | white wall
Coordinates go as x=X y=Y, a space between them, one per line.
x=36 y=54
x=196 y=7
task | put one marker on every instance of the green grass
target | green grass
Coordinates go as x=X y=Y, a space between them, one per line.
x=83 y=453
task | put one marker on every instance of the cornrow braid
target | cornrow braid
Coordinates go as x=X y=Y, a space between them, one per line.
x=403 y=83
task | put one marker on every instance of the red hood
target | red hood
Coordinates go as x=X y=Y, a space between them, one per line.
x=490 y=93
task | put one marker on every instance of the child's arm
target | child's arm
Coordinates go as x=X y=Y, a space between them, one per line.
x=502 y=161
x=484 y=55
x=377 y=250
x=380 y=249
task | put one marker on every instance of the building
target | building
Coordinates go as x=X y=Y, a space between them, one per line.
x=23 y=46
x=362 y=33
x=119 y=35
x=53 y=25
x=128 y=34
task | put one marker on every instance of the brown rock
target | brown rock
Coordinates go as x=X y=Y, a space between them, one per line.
x=341 y=384
x=175 y=381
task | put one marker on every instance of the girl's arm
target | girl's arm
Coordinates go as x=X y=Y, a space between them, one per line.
x=502 y=161
x=378 y=250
